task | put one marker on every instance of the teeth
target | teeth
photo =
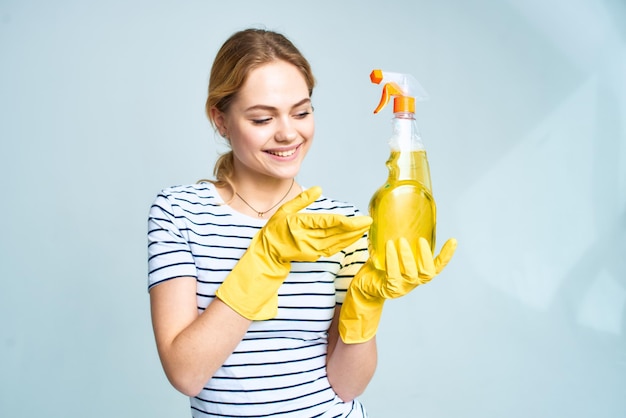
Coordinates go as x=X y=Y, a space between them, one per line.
x=283 y=153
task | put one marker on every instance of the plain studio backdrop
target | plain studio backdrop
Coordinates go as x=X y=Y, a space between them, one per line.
x=102 y=106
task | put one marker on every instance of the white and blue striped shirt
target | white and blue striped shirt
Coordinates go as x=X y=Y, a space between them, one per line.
x=279 y=368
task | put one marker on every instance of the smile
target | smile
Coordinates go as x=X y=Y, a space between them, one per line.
x=287 y=153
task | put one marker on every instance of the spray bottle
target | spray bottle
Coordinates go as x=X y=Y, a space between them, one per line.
x=404 y=206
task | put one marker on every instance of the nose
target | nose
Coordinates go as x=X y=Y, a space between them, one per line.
x=286 y=131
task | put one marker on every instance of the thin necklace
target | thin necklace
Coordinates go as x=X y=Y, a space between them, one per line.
x=259 y=213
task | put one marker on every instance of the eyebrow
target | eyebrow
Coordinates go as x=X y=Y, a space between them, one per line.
x=266 y=107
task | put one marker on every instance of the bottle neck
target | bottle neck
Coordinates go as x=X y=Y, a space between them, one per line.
x=408 y=156
x=405 y=135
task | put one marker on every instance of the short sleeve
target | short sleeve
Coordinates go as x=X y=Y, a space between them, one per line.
x=169 y=253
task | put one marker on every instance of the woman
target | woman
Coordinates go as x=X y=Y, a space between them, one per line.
x=246 y=270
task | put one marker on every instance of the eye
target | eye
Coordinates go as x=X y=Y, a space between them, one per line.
x=303 y=114
x=261 y=121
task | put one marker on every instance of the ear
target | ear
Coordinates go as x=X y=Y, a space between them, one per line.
x=219 y=119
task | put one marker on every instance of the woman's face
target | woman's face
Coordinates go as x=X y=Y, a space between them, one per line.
x=270 y=122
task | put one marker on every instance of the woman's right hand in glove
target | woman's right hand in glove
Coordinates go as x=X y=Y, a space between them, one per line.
x=251 y=289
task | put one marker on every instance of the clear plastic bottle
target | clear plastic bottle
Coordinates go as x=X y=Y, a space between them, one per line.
x=404 y=206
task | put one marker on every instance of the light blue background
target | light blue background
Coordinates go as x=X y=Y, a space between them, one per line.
x=101 y=106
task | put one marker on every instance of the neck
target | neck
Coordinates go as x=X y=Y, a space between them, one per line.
x=263 y=202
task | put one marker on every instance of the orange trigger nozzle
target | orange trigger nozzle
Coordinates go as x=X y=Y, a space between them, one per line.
x=389 y=90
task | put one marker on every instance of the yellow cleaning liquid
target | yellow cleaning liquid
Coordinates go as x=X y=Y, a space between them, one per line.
x=404 y=206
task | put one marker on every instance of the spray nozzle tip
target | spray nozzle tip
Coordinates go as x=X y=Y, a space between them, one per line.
x=376 y=76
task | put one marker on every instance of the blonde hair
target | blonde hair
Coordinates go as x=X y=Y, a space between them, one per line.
x=239 y=55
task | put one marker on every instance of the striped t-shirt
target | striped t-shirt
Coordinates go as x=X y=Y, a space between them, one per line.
x=279 y=368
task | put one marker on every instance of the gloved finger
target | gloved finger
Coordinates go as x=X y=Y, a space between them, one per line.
x=327 y=234
x=351 y=226
x=329 y=223
x=392 y=263
x=407 y=261
x=346 y=232
x=445 y=255
x=425 y=262
x=300 y=202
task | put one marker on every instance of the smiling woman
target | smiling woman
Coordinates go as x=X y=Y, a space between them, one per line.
x=248 y=272
x=243 y=67
x=269 y=124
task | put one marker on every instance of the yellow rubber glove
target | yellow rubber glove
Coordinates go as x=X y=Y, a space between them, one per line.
x=251 y=289
x=370 y=287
